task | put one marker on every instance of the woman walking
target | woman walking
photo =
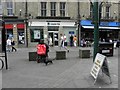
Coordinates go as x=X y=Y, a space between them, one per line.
x=13 y=44
x=75 y=40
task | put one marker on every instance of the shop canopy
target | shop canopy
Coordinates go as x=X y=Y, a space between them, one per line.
x=103 y=25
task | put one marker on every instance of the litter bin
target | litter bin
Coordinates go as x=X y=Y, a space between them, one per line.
x=106 y=48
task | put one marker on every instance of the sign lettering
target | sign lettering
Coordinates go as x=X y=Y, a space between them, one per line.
x=100 y=63
x=97 y=65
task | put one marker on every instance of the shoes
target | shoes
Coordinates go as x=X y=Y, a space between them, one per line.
x=38 y=61
x=48 y=62
x=68 y=51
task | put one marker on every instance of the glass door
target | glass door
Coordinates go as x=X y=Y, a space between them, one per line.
x=54 y=36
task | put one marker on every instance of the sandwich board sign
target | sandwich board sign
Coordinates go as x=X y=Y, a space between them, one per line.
x=100 y=62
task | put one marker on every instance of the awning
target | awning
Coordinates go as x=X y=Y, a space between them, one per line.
x=110 y=25
x=92 y=27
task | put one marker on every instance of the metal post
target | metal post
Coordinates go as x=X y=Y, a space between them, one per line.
x=4 y=41
x=26 y=15
x=78 y=23
x=96 y=28
x=119 y=18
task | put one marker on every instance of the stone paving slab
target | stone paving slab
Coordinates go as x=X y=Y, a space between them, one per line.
x=71 y=73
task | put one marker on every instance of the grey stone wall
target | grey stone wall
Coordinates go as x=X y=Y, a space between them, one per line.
x=71 y=9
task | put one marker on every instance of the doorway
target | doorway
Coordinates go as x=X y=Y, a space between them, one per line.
x=54 y=36
x=21 y=37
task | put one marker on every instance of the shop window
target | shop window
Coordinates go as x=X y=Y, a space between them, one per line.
x=21 y=37
x=9 y=33
x=36 y=35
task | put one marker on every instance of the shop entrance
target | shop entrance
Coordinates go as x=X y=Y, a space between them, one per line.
x=54 y=36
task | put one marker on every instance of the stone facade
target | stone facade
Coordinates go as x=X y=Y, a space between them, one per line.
x=71 y=10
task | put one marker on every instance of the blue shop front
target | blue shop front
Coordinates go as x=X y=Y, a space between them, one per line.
x=107 y=30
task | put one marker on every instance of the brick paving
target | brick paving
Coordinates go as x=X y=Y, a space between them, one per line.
x=73 y=72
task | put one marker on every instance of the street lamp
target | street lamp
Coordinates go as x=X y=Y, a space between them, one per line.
x=20 y=12
x=96 y=20
x=78 y=24
x=4 y=42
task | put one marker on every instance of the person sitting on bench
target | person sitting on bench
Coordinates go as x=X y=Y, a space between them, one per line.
x=42 y=52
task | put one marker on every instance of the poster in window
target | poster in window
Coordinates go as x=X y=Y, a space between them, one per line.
x=36 y=34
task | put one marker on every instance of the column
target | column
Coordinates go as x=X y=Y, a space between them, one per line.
x=15 y=34
x=57 y=8
x=48 y=8
x=45 y=32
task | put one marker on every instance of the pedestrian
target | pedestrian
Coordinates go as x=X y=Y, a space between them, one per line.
x=110 y=40
x=62 y=42
x=75 y=40
x=8 y=44
x=13 y=44
x=71 y=40
x=50 y=41
x=42 y=52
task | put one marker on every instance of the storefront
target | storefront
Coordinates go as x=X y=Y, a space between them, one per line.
x=16 y=30
x=44 y=29
x=107 y=30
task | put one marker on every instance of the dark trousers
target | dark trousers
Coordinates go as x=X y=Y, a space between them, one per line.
x=13 y=48
x=71 y=43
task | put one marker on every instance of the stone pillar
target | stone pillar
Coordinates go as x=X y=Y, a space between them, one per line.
x=15 y=34
x=60 y=30
x=119 y=35
x=57 y=9
x=48 y=9
x=45 y=32
x=28 y=34
x=66 y=13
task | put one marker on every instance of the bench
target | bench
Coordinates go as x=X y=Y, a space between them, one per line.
x=84 y=53
x=32 y=56
x=60 y=55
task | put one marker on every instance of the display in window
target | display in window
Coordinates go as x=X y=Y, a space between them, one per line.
x=21 y=38
x=36 y=34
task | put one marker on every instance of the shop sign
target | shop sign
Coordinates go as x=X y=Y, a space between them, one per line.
x=53 y=23
x=8 y=26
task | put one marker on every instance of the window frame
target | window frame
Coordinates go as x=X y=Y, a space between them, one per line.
x=107 y=14
x=43 y=8
x=9 y=8
x=53 y=8
x=62 y=8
